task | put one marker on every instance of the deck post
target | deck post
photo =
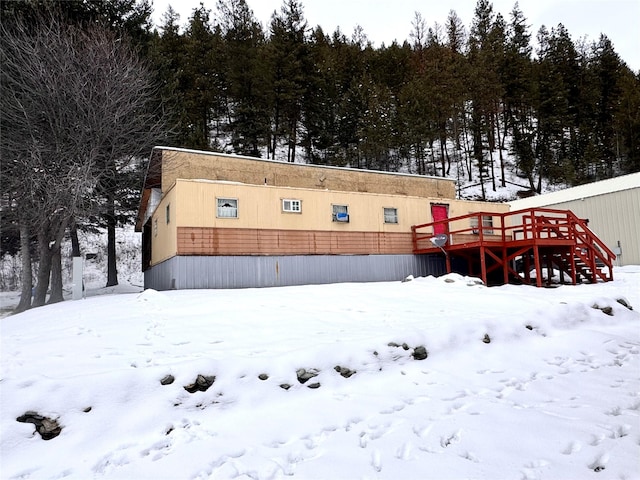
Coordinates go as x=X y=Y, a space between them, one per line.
x=561 y=264
x=483 y=265
x=536 y=261
x=549 y=259
x=505 y=264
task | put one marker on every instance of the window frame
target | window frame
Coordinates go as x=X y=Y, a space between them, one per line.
x=386 y=216
x=487 y=225
x=227 y=199
x=292 y=203
x=334 y=212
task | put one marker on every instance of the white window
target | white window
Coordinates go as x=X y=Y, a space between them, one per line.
x=340 y=213
x=290 y=205
x=487 y=225
x=155 y=227
x=227 y=207
x=390 y=215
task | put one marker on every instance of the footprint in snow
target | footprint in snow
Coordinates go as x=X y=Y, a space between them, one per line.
x=404 y=451
x=599 y=463
x=619 y=431
x=614 y=412
x=448 y=440
x=572 y=448
x=393 y=409
x=376 y=461
x=470 y=456
x=422 y=432
x=596 y=440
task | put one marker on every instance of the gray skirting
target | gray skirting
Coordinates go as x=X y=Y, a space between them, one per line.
x=186 y=272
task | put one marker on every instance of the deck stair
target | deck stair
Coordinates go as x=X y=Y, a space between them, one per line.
x=537 y=246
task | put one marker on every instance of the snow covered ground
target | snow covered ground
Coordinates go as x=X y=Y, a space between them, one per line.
x=519 y=383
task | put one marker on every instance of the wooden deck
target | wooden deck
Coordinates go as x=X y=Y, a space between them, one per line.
x=536 y=246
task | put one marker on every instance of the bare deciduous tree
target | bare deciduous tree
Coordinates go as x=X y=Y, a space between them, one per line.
x=76 y=110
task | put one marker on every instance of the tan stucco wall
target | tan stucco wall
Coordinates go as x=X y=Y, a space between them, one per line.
x=164 y=236
x=194 y=165
x=193 y=204
x=261 y=207
x=459 y=208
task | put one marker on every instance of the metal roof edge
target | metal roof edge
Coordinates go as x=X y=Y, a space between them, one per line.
x=602 y=187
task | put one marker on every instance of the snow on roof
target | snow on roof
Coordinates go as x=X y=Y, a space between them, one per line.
x=625 y=182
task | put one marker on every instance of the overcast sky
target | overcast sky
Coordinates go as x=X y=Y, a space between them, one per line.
x=386 y=20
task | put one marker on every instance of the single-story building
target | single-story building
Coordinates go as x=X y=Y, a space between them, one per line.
x=612 y=208
x=212 y=220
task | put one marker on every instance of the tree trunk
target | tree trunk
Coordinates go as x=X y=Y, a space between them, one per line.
x=44 y=271
x=478 y=152
x=292 y=143
x=443 y=157
x=56 y=275
x=467 y=150
x=276 y=126
x=112 y=272
x=500 y=147
x=493 y=172
x=27 y=272
x=75 y=244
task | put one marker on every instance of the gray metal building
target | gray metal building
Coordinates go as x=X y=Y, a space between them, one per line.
x=612 y=207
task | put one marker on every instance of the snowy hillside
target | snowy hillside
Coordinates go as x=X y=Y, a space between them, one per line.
x=320 y=382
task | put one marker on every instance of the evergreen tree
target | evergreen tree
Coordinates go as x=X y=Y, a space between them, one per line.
x=167 y=56
x=318 y=116
x=200 y=92
x=607 y=69
x=485 y=91
x=628 y=121
x=290 y=63
x=352 y=59
x=459 y=79
x=557 y=101
x=517 y=78
x=245 y=77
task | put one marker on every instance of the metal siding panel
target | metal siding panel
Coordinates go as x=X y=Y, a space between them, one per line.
x=614 y=216
x=260 y=271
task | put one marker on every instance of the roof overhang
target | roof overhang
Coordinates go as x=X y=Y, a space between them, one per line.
x=152 y=179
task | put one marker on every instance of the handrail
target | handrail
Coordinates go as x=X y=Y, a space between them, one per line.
x=532 y=225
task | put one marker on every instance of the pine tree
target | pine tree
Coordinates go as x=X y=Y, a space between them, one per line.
x=517 y=78
x=607 y=71
x=558 y=98
x=200 y=92
x=352 y=60
x=318 y=116
x=289 y=62
x=484 y=53
x=247 y=86
x=628 y=121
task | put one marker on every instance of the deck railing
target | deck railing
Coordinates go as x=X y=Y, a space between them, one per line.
x=533 y=226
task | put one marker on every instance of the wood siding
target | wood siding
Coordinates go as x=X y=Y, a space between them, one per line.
x=251 y=241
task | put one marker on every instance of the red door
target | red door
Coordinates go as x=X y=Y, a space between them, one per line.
x=439 y=212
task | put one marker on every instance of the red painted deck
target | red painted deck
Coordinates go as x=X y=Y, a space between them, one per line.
x=526 y=246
